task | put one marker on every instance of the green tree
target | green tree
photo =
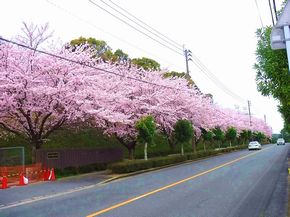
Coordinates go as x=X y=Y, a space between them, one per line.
x=146 y=63
x=183 y=132
x=180 y=75
x=207 y=137
x=121 y=56
x=272 y=75
x=258 y=136
x=285 y=135
x=231 y=135
x=218 y=135
x=100 y=46
x=245 y=136
x=102 y=49
x=146 y=128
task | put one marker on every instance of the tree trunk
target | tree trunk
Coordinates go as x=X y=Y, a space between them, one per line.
x=170 y=142
x=33 y=154
x=36 y=144
x=182 y=151
x=193 y=142
x=129 y=145
x=145 y=151
x=204 y=148
x=230 y=143
x=131 y=153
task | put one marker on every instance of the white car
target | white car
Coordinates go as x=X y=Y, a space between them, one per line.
x=254 y=145
x=280 y=141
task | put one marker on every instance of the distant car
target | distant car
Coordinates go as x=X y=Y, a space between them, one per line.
x=254 y=145
x=280 y=141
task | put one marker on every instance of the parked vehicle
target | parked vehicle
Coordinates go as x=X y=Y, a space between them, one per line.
x=280 y=141
x=254 y=145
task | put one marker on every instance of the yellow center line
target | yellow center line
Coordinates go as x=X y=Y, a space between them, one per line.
x=170 y=185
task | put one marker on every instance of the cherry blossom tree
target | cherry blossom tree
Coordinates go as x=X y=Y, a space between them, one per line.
x=39 y=93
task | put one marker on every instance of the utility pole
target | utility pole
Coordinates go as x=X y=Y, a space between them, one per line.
x=187 y=55
x=249 y=104
x=265 y=119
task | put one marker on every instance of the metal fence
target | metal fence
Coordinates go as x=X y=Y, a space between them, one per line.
x=62 y=158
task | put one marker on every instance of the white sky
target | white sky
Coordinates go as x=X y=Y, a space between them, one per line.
x=220 y=33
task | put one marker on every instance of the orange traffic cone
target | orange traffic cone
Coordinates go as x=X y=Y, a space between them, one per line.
x=51 y=175
x=4 y=182
x=22 y=180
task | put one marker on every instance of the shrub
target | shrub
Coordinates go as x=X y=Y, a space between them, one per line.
x=131 y=166
x=68 y=171
x=135 y=165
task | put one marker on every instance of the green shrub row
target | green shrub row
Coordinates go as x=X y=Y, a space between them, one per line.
x=68 y=171
x=136 y=165
x=128 y=166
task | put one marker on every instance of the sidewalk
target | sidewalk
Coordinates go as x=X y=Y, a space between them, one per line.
x=46 y=189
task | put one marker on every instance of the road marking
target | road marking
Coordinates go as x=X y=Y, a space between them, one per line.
x=170 y=185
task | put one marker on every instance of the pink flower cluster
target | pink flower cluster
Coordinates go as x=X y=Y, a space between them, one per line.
x=38 y=93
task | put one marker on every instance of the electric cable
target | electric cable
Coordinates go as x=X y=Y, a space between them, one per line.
x=100 y=29
x=198 y=63
x=140 y=31
x=146 y=24
x=170 y=43
x=259 y=14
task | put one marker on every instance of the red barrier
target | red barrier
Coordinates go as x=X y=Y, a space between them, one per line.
x=14 y=174
x=4 y=181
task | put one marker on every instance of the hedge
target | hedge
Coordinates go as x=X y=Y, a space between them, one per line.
x=128 y=166
x=68 y=171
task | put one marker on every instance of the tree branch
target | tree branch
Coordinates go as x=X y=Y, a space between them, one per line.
x=5 y=127
x=56 y=126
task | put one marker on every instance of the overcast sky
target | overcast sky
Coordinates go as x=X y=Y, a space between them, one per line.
x=221 y=34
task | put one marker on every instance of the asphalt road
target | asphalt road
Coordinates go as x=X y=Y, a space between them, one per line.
x=243 y=183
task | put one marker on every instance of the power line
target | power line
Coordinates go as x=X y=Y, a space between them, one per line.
x=197 y=62
x=168 y=42
x=150 y=27
x=214 y=79
x=140 y=31
x=258 y=9
x=112 y=35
